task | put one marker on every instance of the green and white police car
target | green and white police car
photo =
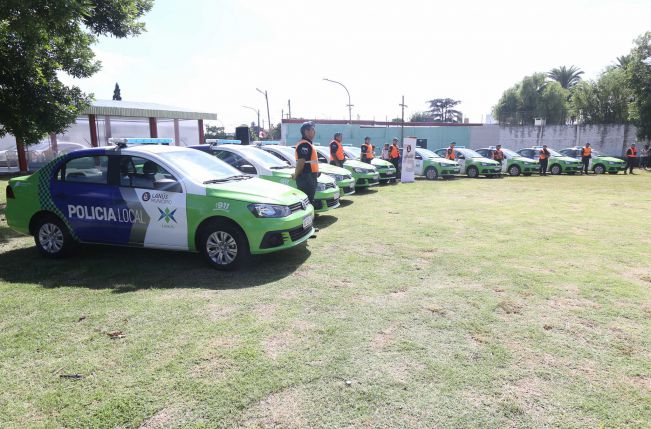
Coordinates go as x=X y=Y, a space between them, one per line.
x=365 y=175
x=433 y=166
x=155 y=196
x=386 y=170
x=342 y=177
x=599 y=163
x=473 y=164
x=514 y=163
x=557 y=164
x=253 y=161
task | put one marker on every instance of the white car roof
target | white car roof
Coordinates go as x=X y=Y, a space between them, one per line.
x=153 y=148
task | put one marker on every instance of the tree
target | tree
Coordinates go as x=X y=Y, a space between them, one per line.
x=38 y=40
x=567 y=77
x=116 y=93
x=533 y=97
x=638 y=78
x=622 y=61
x=215 y=132
x=604 y=101
x=421 y=117
x=441 y=110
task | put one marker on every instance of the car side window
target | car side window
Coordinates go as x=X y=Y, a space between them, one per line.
x=230 y=158
x=460 y=155
x=85 y=169
x=528 y=153
x=137 y=172
x=321 y=158
x=418 y=157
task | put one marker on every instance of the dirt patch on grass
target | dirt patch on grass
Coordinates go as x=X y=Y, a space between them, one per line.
x=163 y=419
x=283 y=341
x=568 y=303
x=510 y=307
x=641 y=382
x=403 y=370
x=279 y=410
x=215 y=311
x=265 y=312
x=385 y=337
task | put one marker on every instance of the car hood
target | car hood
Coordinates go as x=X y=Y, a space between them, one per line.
x=442 y=161
x=483 y=159
x=356 y=164
x=608 y=159
x=566 y=158
x=255 y=190
x=333 y=169
x=523 y=159
x=380 y=163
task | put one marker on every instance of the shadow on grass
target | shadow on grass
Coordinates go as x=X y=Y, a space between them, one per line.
x=345 y=203
x=124 y=269
x=324 y=221
x=364 y=191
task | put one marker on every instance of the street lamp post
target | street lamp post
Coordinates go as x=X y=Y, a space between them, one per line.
x=256 y=111
x=268 y=115
x=350 y=106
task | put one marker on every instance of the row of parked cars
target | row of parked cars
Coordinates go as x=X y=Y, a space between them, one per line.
x=225 y=201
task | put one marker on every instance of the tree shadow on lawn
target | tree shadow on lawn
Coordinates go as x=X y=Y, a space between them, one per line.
x=124 y=269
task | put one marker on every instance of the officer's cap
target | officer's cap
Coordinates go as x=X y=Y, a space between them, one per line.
x=337 y=135
x=309 y=125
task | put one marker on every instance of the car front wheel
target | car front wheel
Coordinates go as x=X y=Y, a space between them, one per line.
x=473 y=172
x=514 y=170
x=431 y=173
x=556 y=169
x=52 y=237
x=224 y=246
x=599 y=169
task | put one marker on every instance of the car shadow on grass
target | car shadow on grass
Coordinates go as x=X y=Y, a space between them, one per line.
x=366 y=190
x=324 y=221
x=125 y=269
x=345 y=203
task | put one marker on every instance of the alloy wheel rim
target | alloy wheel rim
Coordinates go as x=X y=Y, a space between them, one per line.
x=221 y=247
x=50 y=237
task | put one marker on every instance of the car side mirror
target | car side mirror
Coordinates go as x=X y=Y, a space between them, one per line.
x=247 y=169
x=461 y=157
x=167 y=185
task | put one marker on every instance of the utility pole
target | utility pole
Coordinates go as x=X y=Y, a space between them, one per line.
x=402 y=123
x=289 y=106
x=268 y=114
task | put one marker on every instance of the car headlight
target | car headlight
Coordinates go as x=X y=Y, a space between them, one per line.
x=269 y=210
x=614 y=163
x=320 y=186
x=363 y=170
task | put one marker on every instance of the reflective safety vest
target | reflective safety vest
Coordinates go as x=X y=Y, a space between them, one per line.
x=587 y=151
x=393 y=152
x=313 y=163
x=543 y=154
x=631 y=152
x=367 y=151
x=451 y=154
x=498 y=155
x=339 y=154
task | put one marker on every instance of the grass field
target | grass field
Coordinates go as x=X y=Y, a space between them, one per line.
x=516 y=302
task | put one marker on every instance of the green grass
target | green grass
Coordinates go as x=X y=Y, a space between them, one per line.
x=521 y=302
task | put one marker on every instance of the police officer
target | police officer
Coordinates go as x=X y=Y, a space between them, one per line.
x=544 y=159
x=450 y=153
x=394 y=155
x=586 y=154
x=367 y=151
x=631 y=155
x=337 y=151
x=307 y=163
x=498 y=155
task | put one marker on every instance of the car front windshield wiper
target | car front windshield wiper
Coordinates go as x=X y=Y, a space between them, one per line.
x=280 y=167
x=227 y=179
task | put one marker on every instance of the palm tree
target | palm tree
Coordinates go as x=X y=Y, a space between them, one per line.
x=623 y=61
x=567 y=77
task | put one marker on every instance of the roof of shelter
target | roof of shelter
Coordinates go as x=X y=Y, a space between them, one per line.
x=143 y=110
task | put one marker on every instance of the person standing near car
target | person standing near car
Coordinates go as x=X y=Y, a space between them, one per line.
x=367 y=151
x=631 y=155
x=394 y=155
x=498 y=155
x=307 y=163
x=644 y=157
x=450 y=153
x=337 y=151
x=586 y=154
x=385 y=152
x=543 y=160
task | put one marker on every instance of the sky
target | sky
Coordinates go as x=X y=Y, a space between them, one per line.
x=211 y=55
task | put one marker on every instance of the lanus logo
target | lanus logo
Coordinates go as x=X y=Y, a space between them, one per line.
x=146 y=196
x=167 y=215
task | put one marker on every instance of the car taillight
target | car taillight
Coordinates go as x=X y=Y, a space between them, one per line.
x=10 y=193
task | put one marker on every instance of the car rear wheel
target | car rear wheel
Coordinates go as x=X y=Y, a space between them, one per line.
x=224 y=246
x=556 y=169
x=514 y=170
x=473 y=172
x=431 y=173
x=599 y=169
x=52 y=237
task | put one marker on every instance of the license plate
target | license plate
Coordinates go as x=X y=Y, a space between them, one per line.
x=337 y=196
x=307 y=221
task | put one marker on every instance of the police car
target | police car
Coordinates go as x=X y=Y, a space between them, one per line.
x=252 y=161
x=473 y=164
x=433 y=166
x=386 y=170
x=514 y=163
x=599 y=163
x=156 y=196
x=342 y=176
x=365 y=175
x=557 y=163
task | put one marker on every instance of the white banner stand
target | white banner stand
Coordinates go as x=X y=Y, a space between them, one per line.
x=408 y=159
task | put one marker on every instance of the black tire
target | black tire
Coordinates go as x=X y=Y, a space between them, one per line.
x=431 y=173
x=526 y=174
x=472 y=172
x=599 y=169
x=514 y=170
x=52 y=237
x=556 y=170
x=223 y=245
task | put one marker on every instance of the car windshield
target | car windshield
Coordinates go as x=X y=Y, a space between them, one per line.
x=469 y=153
x=199 y=166
x=554 y=153
x=510 y=153
x=425 y=153
x=284 y=153
x=264 y=158
x=353 y=152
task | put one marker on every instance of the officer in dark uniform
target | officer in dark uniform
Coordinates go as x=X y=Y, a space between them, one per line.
x=366 y=152
x=337 y=157
x=586 y=154
x=307 y=164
